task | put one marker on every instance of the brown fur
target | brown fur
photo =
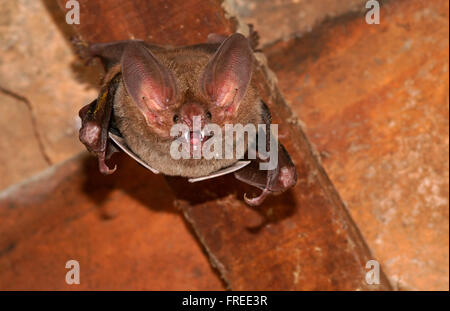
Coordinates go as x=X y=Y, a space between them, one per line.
x=187 y=64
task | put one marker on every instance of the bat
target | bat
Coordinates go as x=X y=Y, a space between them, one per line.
x=149 y=89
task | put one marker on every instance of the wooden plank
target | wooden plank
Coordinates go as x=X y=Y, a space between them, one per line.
x=381 y=124
x=122 y=229
x=158 y=21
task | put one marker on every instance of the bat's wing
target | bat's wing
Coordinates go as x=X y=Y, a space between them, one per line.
x=120 y=142
x=273 y=181
x=233 y=168
x=95 y=123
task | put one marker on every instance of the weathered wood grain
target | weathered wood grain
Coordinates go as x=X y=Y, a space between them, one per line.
x=122 y=229
x=374 y=99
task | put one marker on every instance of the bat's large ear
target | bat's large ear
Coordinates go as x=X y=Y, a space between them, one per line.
x=150 y=84
x=226 y=77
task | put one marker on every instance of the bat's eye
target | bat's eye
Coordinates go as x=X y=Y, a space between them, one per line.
x=176 y=118
x=208 y=115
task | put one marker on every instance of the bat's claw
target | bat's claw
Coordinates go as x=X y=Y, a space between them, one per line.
x=104 y=169
x=257 y=201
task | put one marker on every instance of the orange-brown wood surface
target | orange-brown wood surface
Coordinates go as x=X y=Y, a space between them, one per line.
x=122 y=229
x=374 y=101
x=157 y=21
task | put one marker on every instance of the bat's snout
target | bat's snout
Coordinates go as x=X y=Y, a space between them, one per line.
x=190 y=111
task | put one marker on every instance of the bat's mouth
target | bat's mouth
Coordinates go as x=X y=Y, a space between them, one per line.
x=193 y=140
x=197 y=139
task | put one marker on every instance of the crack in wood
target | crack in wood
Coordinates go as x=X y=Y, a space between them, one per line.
x=34 y=124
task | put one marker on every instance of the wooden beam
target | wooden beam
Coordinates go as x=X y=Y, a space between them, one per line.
x=301 y=240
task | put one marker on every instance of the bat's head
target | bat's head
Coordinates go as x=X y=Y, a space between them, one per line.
x=212 y=92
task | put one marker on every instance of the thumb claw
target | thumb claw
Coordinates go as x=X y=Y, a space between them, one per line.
x=257 y=201
x=104 y=169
